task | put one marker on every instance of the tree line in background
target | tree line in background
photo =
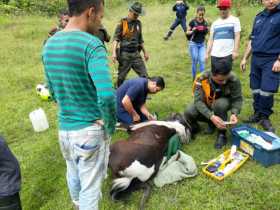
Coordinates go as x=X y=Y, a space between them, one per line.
x=52 y=7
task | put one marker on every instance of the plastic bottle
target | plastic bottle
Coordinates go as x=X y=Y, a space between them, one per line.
x=39 y=120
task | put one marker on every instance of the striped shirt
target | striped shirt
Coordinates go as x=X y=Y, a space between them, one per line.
x=78 y=76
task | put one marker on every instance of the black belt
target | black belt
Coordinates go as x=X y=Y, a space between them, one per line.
x=133 y=50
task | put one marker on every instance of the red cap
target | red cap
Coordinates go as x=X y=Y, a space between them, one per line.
x=224 y=4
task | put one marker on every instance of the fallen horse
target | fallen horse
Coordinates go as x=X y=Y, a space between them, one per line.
x=136 y=160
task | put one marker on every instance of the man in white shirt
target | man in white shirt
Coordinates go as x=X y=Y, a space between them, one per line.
x=224 y=37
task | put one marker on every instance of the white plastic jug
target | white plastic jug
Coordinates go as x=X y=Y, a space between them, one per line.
x=39 y=120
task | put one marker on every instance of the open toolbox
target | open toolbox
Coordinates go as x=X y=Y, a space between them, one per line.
x=225 y=164
x=261 y=146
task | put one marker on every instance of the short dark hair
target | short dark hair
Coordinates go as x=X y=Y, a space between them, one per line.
x=221 y=66
x=63 y=12
x=77 y=7
x=159 y=81
x=200 y=8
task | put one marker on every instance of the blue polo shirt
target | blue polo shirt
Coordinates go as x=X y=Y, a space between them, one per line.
x=181 y=10
x=136 y=89
x=266 y=33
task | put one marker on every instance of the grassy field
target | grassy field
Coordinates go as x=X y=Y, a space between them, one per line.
x=43 y=169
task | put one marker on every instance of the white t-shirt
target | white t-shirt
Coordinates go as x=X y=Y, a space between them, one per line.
x=223 y=31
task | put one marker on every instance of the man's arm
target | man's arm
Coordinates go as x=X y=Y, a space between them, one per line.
x=128 y=106
x=141 y=42
x=236 y=97
x=100 y=74
x=146 y=112
x=204 y=110
x=199 y=102
x=235 y=52
x=114 y=51
x=246 y=56
x=209 y=45
x=117 y=38
x=49 y=84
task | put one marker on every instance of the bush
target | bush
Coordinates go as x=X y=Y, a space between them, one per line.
x=51 y=7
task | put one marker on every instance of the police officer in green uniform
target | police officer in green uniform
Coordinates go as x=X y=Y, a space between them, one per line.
x=128 y=43
x=215 y=94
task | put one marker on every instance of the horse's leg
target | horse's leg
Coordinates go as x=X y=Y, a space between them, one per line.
x=147 y=186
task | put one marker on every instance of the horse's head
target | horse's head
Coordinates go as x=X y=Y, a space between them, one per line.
x=181 y=120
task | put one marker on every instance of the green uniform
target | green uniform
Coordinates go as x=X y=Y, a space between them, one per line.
x=130 y=40
x=228 y=97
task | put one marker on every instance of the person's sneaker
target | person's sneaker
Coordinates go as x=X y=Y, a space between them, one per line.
x=255 y=118
x=266 y=124
x=220 y=141
x=210 y=129
x=165 y=38
x=121 y=127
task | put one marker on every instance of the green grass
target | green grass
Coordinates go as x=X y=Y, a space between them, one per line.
x=43 y=168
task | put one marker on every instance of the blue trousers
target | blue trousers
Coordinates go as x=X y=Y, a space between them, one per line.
x=179 y=21
x=197 y=51
x=263 y=83
x=125 y=118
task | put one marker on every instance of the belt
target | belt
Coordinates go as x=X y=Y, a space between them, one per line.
x=133 y=50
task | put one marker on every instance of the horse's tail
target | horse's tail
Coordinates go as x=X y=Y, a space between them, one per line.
x=119 y=185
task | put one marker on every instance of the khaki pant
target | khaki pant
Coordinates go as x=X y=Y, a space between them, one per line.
x=129 y=61
x=220 y=108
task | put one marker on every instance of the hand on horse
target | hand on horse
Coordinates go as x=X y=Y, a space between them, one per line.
x=151 y=117
x=218 y=122
x=136 y=118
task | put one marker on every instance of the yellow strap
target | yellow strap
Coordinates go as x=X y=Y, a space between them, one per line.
x=126 y=32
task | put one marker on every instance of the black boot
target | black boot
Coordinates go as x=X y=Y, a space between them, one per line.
x=255 y=118
x=211 y=128
x=169 y=33
x=266 y=124
x=221 y=140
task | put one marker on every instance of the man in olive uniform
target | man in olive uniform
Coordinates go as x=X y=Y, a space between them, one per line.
x=216 y=93
x=128 y=43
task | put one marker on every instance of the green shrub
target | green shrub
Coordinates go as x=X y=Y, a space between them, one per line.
x=51 y=7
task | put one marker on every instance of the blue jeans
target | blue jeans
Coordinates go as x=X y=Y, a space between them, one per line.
x=125 y=118
x=197 y=51
x=86 y=152
x=178 y=21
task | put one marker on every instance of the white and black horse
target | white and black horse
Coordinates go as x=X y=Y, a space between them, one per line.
x=137 y=159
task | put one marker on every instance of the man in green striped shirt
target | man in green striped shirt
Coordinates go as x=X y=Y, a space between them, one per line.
x=78 y=76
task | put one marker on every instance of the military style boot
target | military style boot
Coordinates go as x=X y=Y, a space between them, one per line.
x=168 y=35
x=266 y=124
x=255 y=118
x=221 y=140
